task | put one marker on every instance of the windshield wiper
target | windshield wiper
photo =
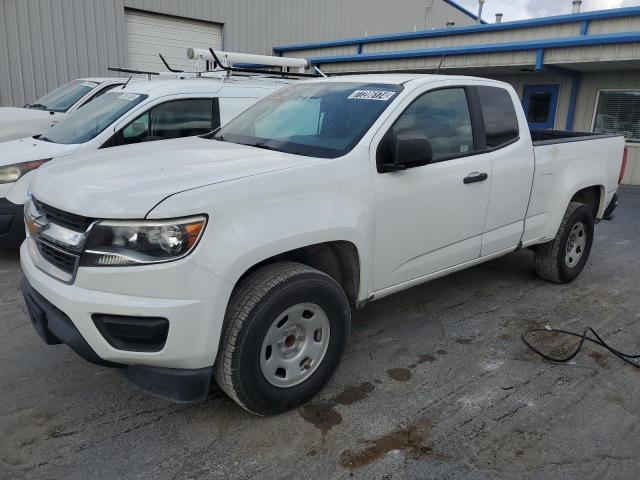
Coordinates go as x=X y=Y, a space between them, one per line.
x=261 y=145
x=39 y=106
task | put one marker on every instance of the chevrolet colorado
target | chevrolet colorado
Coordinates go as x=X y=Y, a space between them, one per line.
x=240 y=254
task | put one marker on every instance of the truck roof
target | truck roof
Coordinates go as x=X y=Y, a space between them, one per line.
x=399 y=78
x=169 y=86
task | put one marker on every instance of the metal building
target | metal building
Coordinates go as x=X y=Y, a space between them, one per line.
x=575 y=72
x=44 y=43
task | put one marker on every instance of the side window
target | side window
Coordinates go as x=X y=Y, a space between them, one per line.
x=138 y=129
x=443 y=117
x=173 y=119
x=181 y=118
x=500 y=120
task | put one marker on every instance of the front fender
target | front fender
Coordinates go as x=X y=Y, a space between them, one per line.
x=256 y=218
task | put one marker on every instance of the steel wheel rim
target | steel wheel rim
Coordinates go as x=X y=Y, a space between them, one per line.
x=576 y=244
x=295 y=345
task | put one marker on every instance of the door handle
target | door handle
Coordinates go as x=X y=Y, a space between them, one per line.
x=475 y=177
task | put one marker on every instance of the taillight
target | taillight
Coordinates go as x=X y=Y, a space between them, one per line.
x=624 y=166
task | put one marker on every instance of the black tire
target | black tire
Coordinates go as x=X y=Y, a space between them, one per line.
x=550 y=257
x=255 y=304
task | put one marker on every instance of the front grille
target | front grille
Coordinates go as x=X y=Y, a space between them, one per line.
x=63 y=260
x=65 y=219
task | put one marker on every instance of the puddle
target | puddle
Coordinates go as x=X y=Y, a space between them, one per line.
x=399 y=374
x=410 y=439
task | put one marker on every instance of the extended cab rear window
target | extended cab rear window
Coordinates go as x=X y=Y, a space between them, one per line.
x=316 y=119
x=500 y=120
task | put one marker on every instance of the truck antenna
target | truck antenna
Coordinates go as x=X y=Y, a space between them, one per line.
x=127 y=82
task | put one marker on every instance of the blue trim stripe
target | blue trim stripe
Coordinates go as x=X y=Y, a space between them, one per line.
x=579 y=41
x=463 y=10
x=539 y=59
x=537 y=22
x=573 y=98
x=584 y=27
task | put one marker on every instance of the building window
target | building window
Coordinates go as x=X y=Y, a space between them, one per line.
x=539 y=107
x=618 y=111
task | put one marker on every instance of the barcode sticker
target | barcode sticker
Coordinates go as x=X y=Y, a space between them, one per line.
x=89 y=84
x=381 y=95
x=128 y=96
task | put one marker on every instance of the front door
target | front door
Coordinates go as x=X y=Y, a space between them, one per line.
x=540 y=103
x=431 y=217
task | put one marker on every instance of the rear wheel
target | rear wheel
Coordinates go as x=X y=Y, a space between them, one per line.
x=285 y=331
x=562 y=259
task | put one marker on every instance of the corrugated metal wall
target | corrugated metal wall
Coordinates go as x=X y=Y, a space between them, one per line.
x=44 y=43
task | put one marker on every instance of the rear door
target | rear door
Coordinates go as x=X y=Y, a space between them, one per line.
x=512 y=165
x=431 y=217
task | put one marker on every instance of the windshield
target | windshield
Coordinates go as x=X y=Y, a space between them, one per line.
x=85 y=124
x=64 y=97
x=319 y=119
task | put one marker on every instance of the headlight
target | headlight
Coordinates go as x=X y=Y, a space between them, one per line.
x=115 y=243
x=12 y=173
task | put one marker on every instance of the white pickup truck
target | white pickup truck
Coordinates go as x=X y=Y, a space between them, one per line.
x=240 y=254
x=35 y=118
x=141 y=111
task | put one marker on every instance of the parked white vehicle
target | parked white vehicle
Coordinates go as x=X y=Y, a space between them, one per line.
x=140 y=112
x=240 y=254
x=50 y=109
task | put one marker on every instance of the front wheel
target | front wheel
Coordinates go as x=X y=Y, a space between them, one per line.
x=562 y=259
x=285 y=331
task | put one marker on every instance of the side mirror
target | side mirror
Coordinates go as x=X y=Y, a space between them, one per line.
x=412 y=151
x=409 y=151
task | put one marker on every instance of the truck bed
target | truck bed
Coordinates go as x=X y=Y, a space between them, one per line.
x=550 y=137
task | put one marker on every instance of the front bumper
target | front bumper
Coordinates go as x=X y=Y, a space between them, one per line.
x=190 y=297
x=12 y=230
x=54 y=327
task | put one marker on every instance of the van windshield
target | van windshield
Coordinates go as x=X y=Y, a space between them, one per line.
x=319 y=119
x=63 y=98
x=89 y=121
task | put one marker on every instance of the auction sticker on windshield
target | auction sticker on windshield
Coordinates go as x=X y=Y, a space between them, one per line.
x=382 y=95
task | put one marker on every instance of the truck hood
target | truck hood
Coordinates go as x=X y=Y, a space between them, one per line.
x=25 y=122
x=127 y=182
x=30 y=149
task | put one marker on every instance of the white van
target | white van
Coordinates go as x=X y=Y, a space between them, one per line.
x=35 y=118
x=140 y=112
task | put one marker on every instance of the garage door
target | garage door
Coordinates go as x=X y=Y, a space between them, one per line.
x=149 y=34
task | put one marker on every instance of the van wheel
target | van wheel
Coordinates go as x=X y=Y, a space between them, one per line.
x=562 y=259
x=285 y=330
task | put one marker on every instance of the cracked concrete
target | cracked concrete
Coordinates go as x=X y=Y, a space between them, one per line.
x=469 y=399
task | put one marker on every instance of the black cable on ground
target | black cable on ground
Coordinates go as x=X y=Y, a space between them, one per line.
x=583 y=337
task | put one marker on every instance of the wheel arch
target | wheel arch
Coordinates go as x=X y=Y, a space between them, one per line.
x=340 y=259
x=592 y=196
